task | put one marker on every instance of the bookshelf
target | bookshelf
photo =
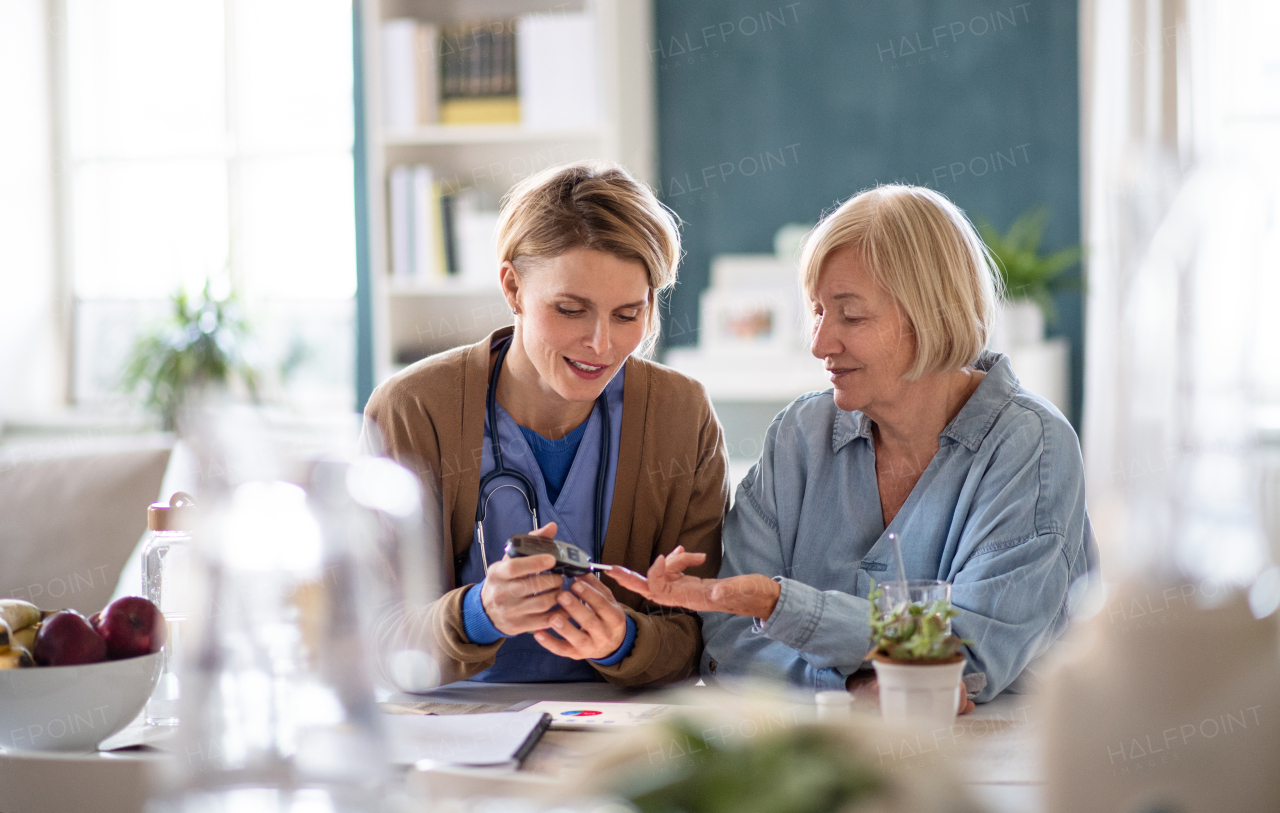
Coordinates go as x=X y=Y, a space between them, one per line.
x=415 y=317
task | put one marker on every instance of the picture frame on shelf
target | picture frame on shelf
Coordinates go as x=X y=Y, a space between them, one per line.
x=751 y=321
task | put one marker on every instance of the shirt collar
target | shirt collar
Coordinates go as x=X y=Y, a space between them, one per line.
x=969 y=427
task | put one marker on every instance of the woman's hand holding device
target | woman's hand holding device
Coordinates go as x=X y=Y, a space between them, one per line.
x=520 y=595
x=598 y=622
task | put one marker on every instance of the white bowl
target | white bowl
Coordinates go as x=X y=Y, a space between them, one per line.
x=73 y=708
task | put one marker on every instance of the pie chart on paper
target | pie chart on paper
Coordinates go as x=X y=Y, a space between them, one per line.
x=576 y=714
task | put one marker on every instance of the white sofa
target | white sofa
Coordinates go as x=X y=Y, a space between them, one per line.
x=71 y=511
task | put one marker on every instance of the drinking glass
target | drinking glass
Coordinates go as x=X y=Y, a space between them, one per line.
x=920 y=592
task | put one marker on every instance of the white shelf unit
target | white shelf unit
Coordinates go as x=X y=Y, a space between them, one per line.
x=437 y=316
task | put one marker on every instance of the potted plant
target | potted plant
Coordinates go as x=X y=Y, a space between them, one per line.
x=1030 y=278
x=917 y=659
x=202 y=343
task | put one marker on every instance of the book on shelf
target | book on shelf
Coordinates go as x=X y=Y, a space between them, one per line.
x=559 y=71
x=410 y=73
x=539 y=70
x=478 y=74
x=428 y=237
x=476 y=239
x=439 y=234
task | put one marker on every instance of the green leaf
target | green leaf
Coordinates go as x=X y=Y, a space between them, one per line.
x=198 y=344
x=1027 y=274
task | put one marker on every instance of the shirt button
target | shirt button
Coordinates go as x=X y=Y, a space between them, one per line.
x=711 y=665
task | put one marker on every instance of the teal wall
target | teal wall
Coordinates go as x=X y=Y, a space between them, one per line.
x=770 y=113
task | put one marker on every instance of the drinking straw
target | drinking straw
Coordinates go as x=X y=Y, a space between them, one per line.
x=897 y=552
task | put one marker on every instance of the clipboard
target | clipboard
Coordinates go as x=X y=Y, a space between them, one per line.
x=498 y=739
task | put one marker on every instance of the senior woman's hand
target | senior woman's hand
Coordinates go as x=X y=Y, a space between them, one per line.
x=667 y=584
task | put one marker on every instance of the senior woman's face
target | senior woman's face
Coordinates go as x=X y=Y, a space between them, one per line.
x=582 y=314
x=861 y=335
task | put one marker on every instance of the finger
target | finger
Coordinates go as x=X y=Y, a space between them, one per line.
x=533 y=622
x=511 y=591
x=547 y=531
x=658 y=572
x=597 y=586
x=575 y=637
x=523 y=566
x=523 y=624
x=678 y=563
x=531 y=605
x=588 y=620
x=537 y=584
x=599 y=599
x=555 y=646
x=966 y=705
x=630 y=580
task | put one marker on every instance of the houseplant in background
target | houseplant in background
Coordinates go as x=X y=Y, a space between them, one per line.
x=917 y=659
x=201 y=344
x=1030 y=278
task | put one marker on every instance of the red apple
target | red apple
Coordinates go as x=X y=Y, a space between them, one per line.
x=66 y=639
x=132 y=626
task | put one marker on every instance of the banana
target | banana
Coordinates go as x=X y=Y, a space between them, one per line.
x=18 y=613
x=15 y=657
x=25 y=637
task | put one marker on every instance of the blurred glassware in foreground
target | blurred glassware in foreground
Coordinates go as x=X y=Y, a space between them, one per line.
x=291 y=591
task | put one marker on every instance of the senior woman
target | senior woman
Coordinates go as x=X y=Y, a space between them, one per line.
x=558 y=420
x=923 y=434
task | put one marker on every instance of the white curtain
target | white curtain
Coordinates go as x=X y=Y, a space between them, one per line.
x=1181 y=107
x=33 y=312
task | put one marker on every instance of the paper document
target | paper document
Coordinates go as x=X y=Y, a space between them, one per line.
x=598 y=715
x=501 y=738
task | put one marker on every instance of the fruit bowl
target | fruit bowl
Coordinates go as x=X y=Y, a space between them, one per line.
x=73 y=708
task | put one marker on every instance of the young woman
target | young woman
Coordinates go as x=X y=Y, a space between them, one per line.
x=923 y=433
x=559 y=424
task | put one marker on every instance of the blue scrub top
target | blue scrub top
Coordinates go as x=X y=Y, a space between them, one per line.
x=522 y=659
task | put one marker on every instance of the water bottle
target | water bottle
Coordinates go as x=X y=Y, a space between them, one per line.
x=166 y=566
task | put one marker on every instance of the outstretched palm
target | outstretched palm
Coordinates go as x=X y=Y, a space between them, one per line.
x=667 y=584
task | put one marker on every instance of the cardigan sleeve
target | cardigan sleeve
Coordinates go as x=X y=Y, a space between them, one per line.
x=397 y=426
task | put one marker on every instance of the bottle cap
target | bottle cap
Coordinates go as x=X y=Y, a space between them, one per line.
x=836 y=698
x=176 y=516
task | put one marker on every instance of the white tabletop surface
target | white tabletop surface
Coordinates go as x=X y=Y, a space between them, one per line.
x=993 y=751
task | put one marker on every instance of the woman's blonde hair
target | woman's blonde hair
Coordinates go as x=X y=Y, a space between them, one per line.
x=924 y=252
x=595 y=205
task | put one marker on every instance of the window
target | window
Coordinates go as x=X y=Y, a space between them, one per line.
x=211 y=139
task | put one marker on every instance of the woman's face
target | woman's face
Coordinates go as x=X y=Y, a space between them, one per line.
x=860 y=333
x=581 y=315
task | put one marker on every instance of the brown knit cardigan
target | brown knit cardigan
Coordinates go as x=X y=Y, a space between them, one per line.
x=671 y=489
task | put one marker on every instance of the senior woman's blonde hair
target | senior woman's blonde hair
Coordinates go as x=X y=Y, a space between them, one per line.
x=925 y=253
x=595 y=205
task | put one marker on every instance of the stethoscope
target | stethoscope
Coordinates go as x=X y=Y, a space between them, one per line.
x=526 y=487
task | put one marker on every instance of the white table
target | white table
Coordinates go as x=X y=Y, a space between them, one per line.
x=994 y=752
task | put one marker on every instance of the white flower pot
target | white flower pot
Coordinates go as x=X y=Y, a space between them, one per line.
x=1019 y=323
x=925 y=695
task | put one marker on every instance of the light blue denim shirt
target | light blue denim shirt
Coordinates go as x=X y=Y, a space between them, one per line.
x=999 y=512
